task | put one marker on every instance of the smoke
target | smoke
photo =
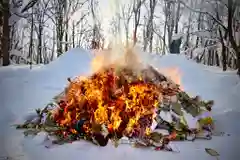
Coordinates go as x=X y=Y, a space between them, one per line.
x=120 y=56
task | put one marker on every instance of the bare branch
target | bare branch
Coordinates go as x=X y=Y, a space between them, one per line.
x=80 y=20
x=206 y=13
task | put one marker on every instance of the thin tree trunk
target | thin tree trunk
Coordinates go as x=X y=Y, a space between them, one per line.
x=217 y=59
x=60 y=33
x=1 y=32
x=39 y=53
x=73 y=35
x=6 y=33
x=188 y=35
x=11 y=38
x=145 y=35
x=150 y=23
x=164 y=31
x=30 y=54
x=177 y=17
x=198 y=28
x=66 y=37
x=231 y=11
x=224 y=56
x=53 y=45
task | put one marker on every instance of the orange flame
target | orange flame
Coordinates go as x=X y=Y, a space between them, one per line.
x=114 y=96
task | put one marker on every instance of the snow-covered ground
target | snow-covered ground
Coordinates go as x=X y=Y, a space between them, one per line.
x=22 y=90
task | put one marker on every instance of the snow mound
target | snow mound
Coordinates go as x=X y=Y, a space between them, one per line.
x=72 y=63
x=38 y=86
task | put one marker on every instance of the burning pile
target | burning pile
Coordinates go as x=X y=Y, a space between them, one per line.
x=118 y=101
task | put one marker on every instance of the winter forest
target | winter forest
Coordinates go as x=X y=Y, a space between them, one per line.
x=78 y=75
x=38 y=31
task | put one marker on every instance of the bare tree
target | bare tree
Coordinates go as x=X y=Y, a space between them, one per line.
x=40 y=9
x=126 y=15
x=5 y=38
x=96 y=28
x=62 y=12
x=137 y=14
x=231 y=9
x=72 y=6
x=30 y=54
x=223 y=13
x=114 y=26
x=1 y=32
x=149 y=26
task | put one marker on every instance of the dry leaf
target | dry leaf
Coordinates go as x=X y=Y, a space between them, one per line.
x=212 y=152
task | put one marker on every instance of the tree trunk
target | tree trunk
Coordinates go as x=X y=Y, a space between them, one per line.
x=186 y=46
x=152 y=6
x=66 y=37
x=209 y=58
x=136 y=20
x=126 y=33
x=224 y=57
x=170 y=27
x=236 y=48
x=60 y=33
x=30 y=54
x=217 y=59
x=177 y=17
x=53 y=46
x=165 y=29
x=198 y=28
x=1 y=32
x=73 y=35
x=6 y=33
x=145 y=35
x=11 y=38
x=40 y=46
x=203 y=54
x=137 y=11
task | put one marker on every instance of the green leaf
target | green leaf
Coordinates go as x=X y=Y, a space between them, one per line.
x=183 y=121
x=156 y=137
x=212 y=152
x=176 y=108
x=31 y=132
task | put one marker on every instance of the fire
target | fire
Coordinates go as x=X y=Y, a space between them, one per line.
x=117 y=96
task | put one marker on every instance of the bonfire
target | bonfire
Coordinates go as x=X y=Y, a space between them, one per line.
x=121 y=100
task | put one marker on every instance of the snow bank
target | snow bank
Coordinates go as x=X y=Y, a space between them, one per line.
x=16 y=71
x=23 y=90
x=72 y=63
x=36 y=87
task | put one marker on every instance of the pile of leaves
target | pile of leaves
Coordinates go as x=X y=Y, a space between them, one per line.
x=119 y=103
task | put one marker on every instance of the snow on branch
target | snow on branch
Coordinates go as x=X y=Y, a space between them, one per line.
x=206 y=13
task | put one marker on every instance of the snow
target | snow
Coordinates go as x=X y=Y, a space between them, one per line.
x=178 y=36
x=23 y=90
